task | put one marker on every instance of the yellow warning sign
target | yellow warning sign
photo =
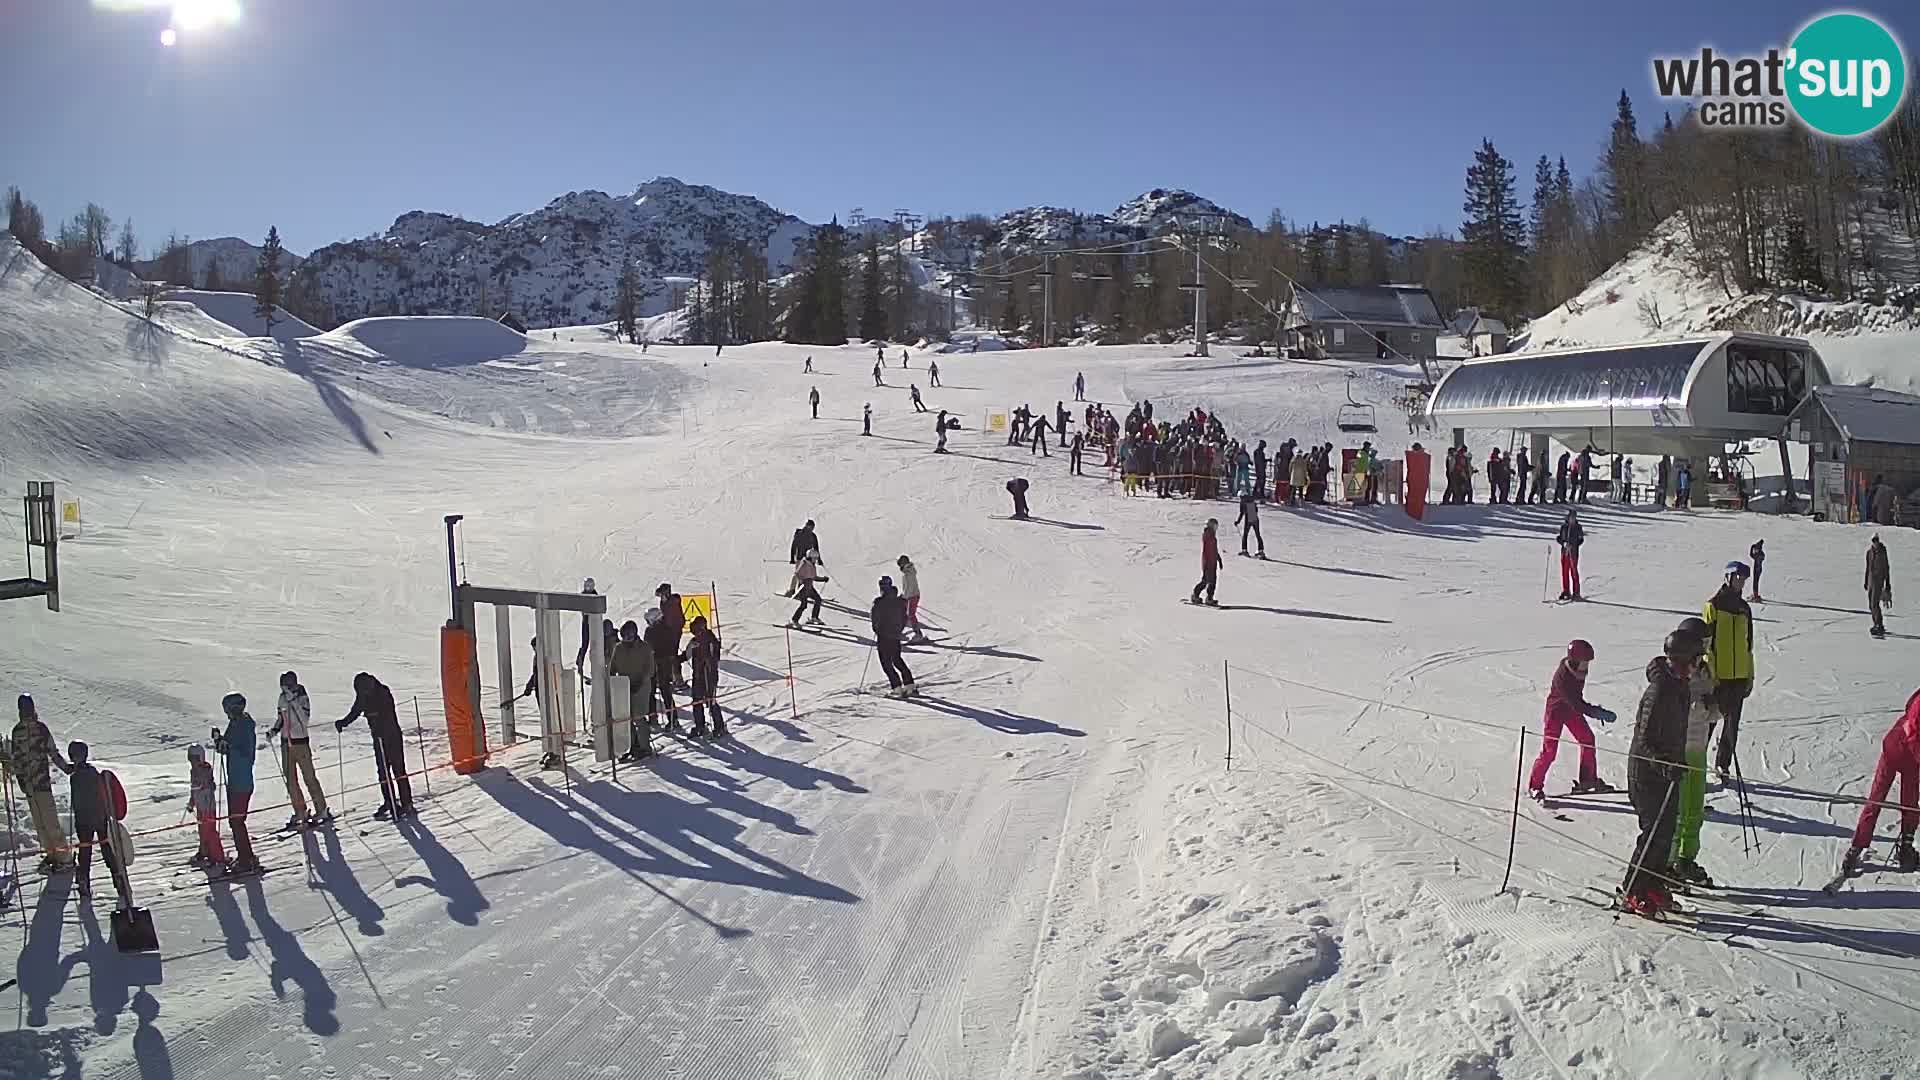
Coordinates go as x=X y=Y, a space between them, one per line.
x=996 y=421
x=697 y=604
x=69 y=518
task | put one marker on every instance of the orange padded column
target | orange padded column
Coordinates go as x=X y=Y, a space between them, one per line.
x=466 y=735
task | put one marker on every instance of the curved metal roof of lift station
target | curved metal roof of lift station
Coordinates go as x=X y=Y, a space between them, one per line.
x=1655 y=397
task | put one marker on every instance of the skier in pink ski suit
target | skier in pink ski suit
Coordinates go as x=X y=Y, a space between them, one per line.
x=1899 y=757
x=1567 y=709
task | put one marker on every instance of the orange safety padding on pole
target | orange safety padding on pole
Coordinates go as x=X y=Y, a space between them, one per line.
x=466 y=736
x=1419 y=466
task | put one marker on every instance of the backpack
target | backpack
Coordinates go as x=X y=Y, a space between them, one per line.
x=116 y=795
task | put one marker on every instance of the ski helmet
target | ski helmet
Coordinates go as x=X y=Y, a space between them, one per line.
x=1681 y=646
x=587 y=585
x=26 y=706
x=1580 y=649
x=652 y=615
x=886 y=584
x=1738 y=569
x=1694 y=625
x=234 y=704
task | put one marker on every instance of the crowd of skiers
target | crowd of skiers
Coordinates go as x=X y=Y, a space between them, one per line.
x=894 y=613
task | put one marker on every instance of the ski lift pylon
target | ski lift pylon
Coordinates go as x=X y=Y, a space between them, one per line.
x=1355 y=416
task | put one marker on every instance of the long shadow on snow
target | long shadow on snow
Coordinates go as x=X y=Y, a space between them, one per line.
x=978 y=650
x=1766 y=926
x=798 y=775
x=1498 y=521
x=1011 y=723
x=1065 y=524
x=326 y=862
x=150 y=1051
x=1804 y=899
x=294 y=358
x=1817 y=607
x=289 y=963
x=665 y=837
x=1348 y=571
x=446 y=874
x=143 y=341
x=40 y=972
x=111 y=974
x=1304 y=613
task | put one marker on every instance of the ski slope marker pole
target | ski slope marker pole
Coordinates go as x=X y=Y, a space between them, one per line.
x=420 y=743
x=793 y=702
x=1513 y=831
x=1546 y=579
x=1226 y=679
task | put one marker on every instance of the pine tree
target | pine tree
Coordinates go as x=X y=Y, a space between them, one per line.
x=873 y=316
x=1340 y=272
x=1378 y=269
x=626 y=304
x=1493 y=234
x=266 y=280
x=25 y=222
x=1316 y=255
x=1627 y=183
x=213 y=282
x=1801 y=262
x=818 y=315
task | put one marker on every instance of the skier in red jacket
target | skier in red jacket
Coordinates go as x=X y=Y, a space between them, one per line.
x=1899 y=756
x=1209 y=562
x=1567 y=709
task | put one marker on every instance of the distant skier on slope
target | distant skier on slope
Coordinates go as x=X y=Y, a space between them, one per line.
x=1567 y=710
x=910 y=592
x=903 y=359
x=1758 y=555
x=876 y=374
x=1017 y=487
x=866 y=418
x=889 y=619
x=1570 y=538
x=1249 y=522
x=813 y=399
x=1209 y=562
x=1702 y=715
x=940 y=432
x=1879 y=584
x=918 y=405
x=1080 y=386
x=1653 y=773
x=933 y=373
x=1899 y=757
x=808 y=370
x=1074 y=456
x=1039 y=437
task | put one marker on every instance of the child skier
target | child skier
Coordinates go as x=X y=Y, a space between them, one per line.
x=910 y=591
x=1899 y=756
x=1567 y=710
x=808 y=574
x=1570 y=538
x=202 y=786
x=704 y=654
x=1209 y=562
x=1702 y=714
x=91 y=818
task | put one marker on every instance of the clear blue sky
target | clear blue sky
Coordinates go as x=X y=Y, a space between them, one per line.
x=330 y=117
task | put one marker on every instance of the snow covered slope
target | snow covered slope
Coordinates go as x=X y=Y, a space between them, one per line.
x=1656 y=292
x=1044 y=867
x=236 y=310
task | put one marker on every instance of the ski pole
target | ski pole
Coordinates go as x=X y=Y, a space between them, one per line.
x=862 y=686
x=340 y=769
x=420 y=743
x=1746 y=809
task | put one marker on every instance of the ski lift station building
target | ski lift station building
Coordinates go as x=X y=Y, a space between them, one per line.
x=1688 y=397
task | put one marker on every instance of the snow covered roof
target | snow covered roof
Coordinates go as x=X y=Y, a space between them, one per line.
x=1869 y=414
x=1483 y=325
x=1387 y=305
x=1638 y=375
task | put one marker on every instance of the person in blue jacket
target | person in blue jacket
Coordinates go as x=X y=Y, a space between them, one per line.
x=235 y=745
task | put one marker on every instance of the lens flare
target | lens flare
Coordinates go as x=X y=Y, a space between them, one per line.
x=168 y=37
x=202 y=14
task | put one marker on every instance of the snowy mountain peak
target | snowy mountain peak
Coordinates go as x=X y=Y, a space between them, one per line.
x=1164 y=208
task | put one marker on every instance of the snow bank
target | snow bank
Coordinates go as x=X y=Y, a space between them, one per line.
x=236 y=311
x=430 y=341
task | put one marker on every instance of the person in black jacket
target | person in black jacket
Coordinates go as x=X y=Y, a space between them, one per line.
x=373 y=700
x=1654 y=769
x=1560 y=478
x=704 y=653
x=803 y=541
x=889 y=624
x=1260 y=471
x=1017 y=487
x=664 y=640
x=1570 y=538
x=673 y=610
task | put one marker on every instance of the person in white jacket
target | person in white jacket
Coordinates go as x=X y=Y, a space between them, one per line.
x=296 y=753
x=910 y=591
x=808 y=575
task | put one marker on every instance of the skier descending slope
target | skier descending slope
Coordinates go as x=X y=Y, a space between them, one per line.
x=1654 y=771
x=372 y=699
x=1899 y=757
x=1567 y=710
x=1209 y=562
x=1702 y=714
x=236 y=745
x=889 y=621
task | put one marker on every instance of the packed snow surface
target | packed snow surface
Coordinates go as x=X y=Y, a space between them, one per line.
x=1045 y=867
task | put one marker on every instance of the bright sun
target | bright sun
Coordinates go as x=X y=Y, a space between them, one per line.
x=200 y=14
x=168 y=37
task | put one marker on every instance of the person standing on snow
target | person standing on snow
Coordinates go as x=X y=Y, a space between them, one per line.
x=1074 y=467
x=1039 y=436
x=1570 y=538
x=1654 y=769
x=1061 y=421
x=1017 y=487
x=1567 y=710
x=1523 y=469
x=903 y=359
x=1879 y=584
x=1702 y=715
x=1209 y=562
x=633 y=657
x=808 y=370
x=889 y=618
x=1260 y=470
x=910 y=592
x=1249 y=522
x=918 y=405
x=91 y=818
x=866 y=418
x=703 y=652
x=1080 y=386
x=663 y=637
x=34 y=757
x=202 y=796
x=1560 y=478
x=876 y=374
x=813 y=399
x=1299 y=474
x=804 y=541
x=236 y=746
x=808 y=574
x=1758 y=554
x=291 y=717
x=1899 y=757
x=940 y=433
x=372 y=699
x=933 y=373
x=1730 y=658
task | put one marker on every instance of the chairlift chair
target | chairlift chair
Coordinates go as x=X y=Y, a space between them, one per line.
x=1355 y=416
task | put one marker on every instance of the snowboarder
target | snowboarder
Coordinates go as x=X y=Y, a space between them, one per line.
x=1878 y=583
x=1570 y=538
x=34 y=757
x=1017 y=487
x=866 y=418
x=92 y=814
x=291 y=717
x=1657 y=761
x=202 y=786
x=1039 y=437
x=918 y=405
x=808 y=574
x=1209 y=562
x=1568 y=710
x=804 y=541
x=1899 y=757
x=813 y=399
x=933 y=373
x=372 y=699
x=1758 y=555
x=910 y=592
x=1730 y=658
x=1249 y=522
x=633 y=658
x=703 y=652
x=1702 y=715
x=889 y=617
x=1074 y=454
x=1079 y=386
x=236 y=745
x=663 y=637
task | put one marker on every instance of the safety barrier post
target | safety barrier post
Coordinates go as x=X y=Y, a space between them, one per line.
x=1226 y=679
x=420 y=745
x=1513 y=832
x=793 y=702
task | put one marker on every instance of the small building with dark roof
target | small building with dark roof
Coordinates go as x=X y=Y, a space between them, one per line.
x=1857 y=437
x=1486 y=336
x=1365 y=322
